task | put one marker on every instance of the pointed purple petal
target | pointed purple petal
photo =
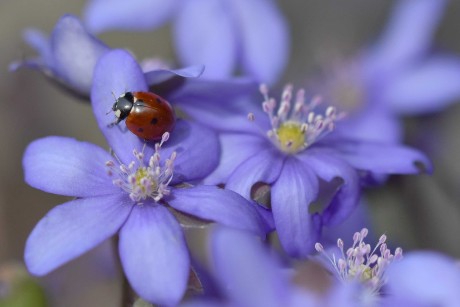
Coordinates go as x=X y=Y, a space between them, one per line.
x=264 y=37
x=134 y=15
x=263 y=167
x=222 y=206
x=328 y=168
x=75 y=53
x=291 y=195
x=68 y=167
x=154 y=255
x=236 y=149
x=424 y=279
x=414 y=19
x=204 y=34
x=428 y=87
x=156 y=77
x=383 y=158
x=246 y=271
x=116 y=73
x=197 y=148
x=73 y=228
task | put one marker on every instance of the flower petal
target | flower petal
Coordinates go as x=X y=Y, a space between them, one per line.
x=236 y=149
x=427 y=87
x=68 y=167
x=263 y=167
x=264 y=38
x=291 y=195
x=76 y=53
x=135 y=15
x=154 y=255
x=414 y=19
x=222 y=206
x=246 y=271
x=197 y=149
x=204 y=34
x=73 y=228
x=156 y=78
x=116 y=73
x=424 y=279
x=328 y=168
x=374 y=157
x=41 y=43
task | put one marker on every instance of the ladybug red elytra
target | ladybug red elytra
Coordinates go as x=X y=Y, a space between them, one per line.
x=146 y=114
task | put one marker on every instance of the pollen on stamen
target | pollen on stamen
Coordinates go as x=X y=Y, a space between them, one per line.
x=140 y=180
x=295 y=124
x=360 y=262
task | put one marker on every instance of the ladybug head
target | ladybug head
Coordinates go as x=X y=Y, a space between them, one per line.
x=123 y=106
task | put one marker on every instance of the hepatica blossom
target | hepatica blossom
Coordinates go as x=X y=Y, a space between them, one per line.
x=130 y=193
x=296 y=149
x=400 y=74
x=221 y=34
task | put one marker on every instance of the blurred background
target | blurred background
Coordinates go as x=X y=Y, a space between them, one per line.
x=415 y=211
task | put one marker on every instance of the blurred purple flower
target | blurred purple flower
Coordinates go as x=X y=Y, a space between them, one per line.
x=134 y=200
x=423 y=279
x=217 y=33
x=398 y=75
x=295 y=149
x=70 y=55
x=247 y=274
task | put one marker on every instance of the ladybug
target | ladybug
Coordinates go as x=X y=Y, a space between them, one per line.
x=146 y=114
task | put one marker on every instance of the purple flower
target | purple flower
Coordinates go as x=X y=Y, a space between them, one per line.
x=423 y=279
x=68 y=56
x=247 y=274
x=135 y=199
x=294 y=150
x=398 y=75
x=217 y=33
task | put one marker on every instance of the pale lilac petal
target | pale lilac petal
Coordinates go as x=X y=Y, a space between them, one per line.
x=409 y=32
x=328 y=168
x=204 y=34
x=264 y=38
x=424 y=279
x=247 y=272
x=291 y=195
x=372 y=124
x=265 y=167
x=68 y=167
x=383 y=158
x=197 y=148
x=155 y=78
x=134 y=15
x=428 y=87
x=116 y=73
x=154 y=254
x=73 y=228
x=75 y=53
x=235 y=149
x=222 y=206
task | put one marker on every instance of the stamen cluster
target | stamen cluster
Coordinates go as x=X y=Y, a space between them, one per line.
x=295 y=124
x=142 y=181
x=362 y=263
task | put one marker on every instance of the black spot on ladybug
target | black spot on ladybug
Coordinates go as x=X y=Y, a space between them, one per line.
x=140 y=129
x=159 y=100
x=154 y=121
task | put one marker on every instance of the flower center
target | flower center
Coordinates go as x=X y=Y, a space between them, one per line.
x=142 y=181
x=295 y=125
x=362 y=263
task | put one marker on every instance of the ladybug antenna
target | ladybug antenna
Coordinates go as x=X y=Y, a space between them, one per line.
x=114 y=96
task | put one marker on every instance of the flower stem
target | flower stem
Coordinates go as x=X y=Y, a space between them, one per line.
x=127 y=294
